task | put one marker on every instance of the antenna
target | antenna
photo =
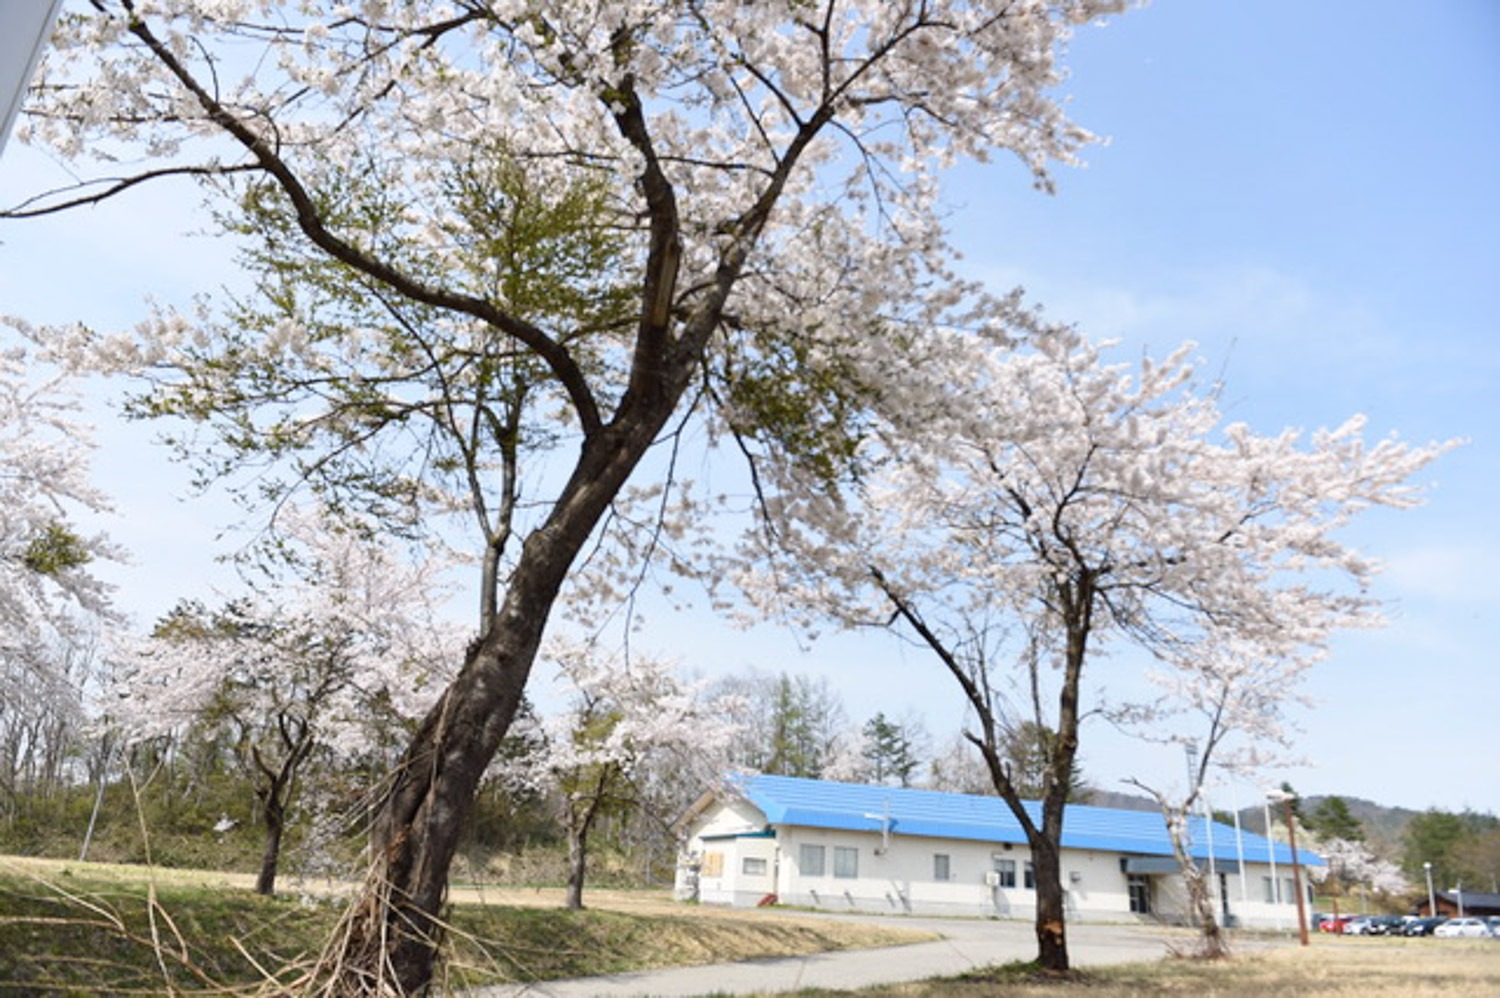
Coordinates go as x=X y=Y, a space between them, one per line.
x=884 y=817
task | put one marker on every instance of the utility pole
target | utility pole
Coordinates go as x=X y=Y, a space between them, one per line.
x=1291 y=838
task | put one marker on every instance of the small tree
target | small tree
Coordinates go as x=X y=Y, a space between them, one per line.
x=625 y=722
x=1226 y=708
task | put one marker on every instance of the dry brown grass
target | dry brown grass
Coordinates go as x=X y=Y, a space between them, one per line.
x=845 y=935
x=1336 y=968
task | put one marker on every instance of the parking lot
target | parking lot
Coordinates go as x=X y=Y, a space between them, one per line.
x=1442 y=927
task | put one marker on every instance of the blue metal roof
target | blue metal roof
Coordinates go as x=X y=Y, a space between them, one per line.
x=787 y=800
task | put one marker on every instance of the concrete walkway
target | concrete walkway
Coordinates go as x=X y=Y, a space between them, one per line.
x=966 y=943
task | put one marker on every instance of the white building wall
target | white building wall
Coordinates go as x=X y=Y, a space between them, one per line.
x=1259 y=902
x=729 y=860
x=904 y=878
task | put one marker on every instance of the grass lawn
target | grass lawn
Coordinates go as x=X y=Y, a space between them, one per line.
x=84 y=929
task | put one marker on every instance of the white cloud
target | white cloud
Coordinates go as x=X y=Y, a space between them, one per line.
x=1454 y=573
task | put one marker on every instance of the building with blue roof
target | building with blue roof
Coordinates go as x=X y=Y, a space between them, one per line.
x=760 y=839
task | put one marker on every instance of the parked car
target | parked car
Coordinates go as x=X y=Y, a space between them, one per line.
x=1464 y=928
x=1337 y=925
x=1384 y=925
x=1423 y=926
x=1362 y=925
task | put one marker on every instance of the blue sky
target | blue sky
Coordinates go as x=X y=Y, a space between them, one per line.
x=1311 y=191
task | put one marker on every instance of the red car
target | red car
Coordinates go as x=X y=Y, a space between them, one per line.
x=1336 y=925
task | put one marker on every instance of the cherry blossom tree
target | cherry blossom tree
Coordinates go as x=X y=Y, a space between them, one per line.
x=45 y=578
x=1043 y=500
x=1351 y=862
x=510 y=242
x=52 y=604
x=319 y=666
x=626 y=724
x=1226 y=708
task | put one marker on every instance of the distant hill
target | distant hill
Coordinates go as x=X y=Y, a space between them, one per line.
x=1384 y=826
x=1123 y=801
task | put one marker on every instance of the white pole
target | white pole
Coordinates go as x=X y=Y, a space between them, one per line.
x=1239 y=845
x=1213 y=870
x=1275 y=881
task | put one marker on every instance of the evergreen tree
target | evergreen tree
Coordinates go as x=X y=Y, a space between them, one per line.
x=889 y=750
x=1331 y=819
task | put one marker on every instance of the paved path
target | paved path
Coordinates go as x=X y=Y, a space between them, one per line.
x=966 y=943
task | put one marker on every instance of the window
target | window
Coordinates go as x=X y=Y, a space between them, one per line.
x=1030 y=876
x=1269 y=885
x=1007 y=870
x=1288 y=891
x=845 y=862
x=713 y=864
x=753 y=866
x=810 y=861
x=941 y=868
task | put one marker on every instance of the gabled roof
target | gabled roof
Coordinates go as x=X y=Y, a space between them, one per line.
x=787 y=800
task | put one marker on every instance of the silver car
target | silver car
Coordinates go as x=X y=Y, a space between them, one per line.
x=1465 y=928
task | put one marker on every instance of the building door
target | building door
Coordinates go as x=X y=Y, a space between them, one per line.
x=1139 y=886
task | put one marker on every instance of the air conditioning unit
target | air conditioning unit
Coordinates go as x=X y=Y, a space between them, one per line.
x=992 y=878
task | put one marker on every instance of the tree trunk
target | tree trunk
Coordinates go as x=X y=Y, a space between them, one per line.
x=270 y=856
x=1051 y=905
x=1200 y=899
x=577 y=866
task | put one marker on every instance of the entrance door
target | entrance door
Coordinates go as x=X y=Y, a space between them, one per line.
x=1139 y=886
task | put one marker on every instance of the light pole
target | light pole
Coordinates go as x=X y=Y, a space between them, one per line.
x=1291 y=839
x=1431 y=897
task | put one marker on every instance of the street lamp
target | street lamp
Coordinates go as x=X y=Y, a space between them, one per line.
x=1291 y=839
x=1431 y=897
